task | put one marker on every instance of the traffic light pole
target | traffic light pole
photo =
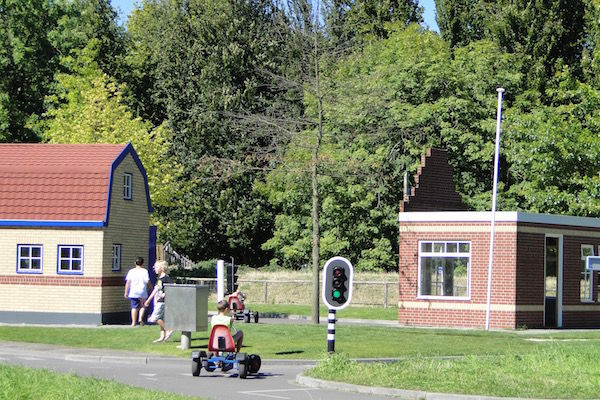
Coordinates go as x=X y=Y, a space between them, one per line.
x=331 y=331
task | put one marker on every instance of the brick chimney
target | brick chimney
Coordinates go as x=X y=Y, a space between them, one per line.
x=434 y=188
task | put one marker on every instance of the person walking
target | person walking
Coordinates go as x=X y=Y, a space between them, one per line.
x=137 y=285
x=158 y=294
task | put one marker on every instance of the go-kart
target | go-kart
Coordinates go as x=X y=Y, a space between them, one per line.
x=236 y=306
x=222 y=355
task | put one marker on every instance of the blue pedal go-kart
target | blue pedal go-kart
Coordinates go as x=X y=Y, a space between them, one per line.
x=222 y=355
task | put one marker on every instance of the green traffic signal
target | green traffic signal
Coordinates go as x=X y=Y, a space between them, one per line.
x=336 y=294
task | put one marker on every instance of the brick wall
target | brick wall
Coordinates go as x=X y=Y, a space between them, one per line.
x=434 y=188
x=518 y=276
x=460 y=313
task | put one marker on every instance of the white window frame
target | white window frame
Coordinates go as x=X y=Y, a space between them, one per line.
x=116 y=257
x=587 y=275
x=70 y=259
x=127 y=186
x=30 y=258
x=447 y=254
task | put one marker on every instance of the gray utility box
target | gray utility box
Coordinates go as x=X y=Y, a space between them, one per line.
x=186 y=307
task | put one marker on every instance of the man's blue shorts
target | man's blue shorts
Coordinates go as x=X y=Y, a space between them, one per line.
x=136 y=303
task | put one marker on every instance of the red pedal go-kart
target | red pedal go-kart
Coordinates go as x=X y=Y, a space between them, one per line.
x=222 y=355
x=236 y=306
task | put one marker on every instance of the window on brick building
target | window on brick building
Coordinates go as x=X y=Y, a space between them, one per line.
x=444 y=269
x=585 y=283
x=116 y=257
x=29 y=259
x=127 y=185
x=70 y=260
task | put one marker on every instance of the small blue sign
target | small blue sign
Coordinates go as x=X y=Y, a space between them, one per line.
x=592 y=263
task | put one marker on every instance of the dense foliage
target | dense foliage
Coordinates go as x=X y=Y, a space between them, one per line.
x=235 y=106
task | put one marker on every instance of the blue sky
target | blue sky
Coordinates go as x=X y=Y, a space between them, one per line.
x=126 y=6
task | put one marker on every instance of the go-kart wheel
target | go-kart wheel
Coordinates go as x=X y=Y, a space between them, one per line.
x=247 y=317
x=197 y=362
x=198 y=358
x=254 y=363
x=242 y=361
x=196 y=366
x=256 y=317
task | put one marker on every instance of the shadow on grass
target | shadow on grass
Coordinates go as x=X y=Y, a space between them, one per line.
x=290 y=352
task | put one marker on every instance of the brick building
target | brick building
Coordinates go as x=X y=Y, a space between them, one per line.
x=538 y=277
x=72 y=220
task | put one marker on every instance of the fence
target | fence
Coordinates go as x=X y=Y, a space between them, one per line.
x=368 y=293
x=167 y=253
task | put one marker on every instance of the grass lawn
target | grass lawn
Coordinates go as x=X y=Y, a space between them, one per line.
x=18 y=382
x=304 y=341
x=555 y=371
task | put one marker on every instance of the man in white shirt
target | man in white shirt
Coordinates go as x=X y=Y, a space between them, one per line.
x=137 y=285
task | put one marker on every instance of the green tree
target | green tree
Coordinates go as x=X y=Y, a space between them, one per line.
x=27 y=65
x=195 y=65
x=591 y=48
x=35 y=34
x=547 y=35
x=553 y=152
x=88 y=108
x=461 y=21
x=350 y=22
x=385 y=105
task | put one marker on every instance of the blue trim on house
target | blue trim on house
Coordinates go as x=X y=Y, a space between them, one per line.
x=69 y=224
x=127 y=150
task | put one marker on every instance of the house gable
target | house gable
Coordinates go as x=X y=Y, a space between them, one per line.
x=434 y=188
x=127 y=151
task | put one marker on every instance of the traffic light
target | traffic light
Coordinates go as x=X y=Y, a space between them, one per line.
x=337 y=283
x=232 y=277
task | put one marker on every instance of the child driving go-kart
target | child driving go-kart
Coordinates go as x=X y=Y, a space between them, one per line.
x=224 y=347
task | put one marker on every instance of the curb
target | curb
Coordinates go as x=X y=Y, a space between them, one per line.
x=399 y=393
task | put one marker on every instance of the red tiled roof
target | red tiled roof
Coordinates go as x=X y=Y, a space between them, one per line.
x=55 y=182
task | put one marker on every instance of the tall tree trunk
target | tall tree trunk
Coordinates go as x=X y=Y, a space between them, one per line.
x=315 y=183
x=315 y=218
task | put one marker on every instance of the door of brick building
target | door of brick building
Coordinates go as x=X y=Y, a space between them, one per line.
x=553 y=282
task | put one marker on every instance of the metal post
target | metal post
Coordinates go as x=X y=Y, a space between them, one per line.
x=266 y=285
x=494 y=195
x=385 y=295
x=331 y=331
x=220 y=280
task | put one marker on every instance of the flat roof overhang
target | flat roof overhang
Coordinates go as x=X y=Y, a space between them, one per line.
x=501 y=216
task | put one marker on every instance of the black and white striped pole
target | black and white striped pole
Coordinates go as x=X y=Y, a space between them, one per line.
x=337 y=292
x=331 y=331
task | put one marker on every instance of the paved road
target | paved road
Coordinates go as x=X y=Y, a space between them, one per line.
x=276 y=379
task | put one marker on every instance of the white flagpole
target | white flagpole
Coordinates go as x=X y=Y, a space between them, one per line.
x=494 y=195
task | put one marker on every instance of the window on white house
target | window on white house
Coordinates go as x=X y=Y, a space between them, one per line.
x=127 y=185
x=444 y=269
x=70 y=259
x=116 y=257
x=29 y=259
x=585 y=283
